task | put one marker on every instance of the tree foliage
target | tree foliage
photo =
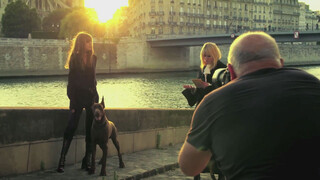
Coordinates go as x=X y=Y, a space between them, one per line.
x=83 y=19
x=78 y=20
x=118 y=26
x=19 y=20
x=52 y=22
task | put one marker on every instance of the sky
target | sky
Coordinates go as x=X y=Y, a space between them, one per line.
x=314 y=4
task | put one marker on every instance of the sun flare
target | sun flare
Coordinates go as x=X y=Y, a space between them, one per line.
x=105 y=8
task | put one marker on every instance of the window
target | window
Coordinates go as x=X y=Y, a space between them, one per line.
x=171 y=30
x=160 y=30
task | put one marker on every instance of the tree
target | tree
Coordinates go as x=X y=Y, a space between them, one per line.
x=118 y=26
x=19 y=20
x=78 y=20
x=52 y=22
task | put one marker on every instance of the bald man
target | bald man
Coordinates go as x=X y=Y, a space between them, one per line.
x=264 y=124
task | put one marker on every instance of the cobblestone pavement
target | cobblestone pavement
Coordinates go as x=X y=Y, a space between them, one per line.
x=148 y=164
x=176 y=174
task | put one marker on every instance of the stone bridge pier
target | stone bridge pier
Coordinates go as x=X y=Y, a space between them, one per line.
x=136 y=54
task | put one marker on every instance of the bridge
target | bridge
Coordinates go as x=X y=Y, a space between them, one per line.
x=304 y=36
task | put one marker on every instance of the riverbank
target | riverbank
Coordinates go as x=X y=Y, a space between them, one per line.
x=50 y=73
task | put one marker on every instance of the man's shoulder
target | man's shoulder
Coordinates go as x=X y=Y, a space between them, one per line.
x=295 y=72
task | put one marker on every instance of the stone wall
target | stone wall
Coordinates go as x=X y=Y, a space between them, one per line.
x=20 y=57
x=46 y=57
x=32 y=137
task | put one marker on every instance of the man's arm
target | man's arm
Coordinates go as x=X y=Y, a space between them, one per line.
x=191 y=160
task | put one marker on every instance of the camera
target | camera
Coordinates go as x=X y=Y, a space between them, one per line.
x=221 y=77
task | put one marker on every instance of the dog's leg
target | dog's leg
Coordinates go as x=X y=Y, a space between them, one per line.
x=93 y=159
x=116 y=144
x=104 y=148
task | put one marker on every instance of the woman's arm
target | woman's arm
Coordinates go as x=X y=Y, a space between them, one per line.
x=71 y=88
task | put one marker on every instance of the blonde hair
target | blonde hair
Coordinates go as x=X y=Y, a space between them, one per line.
x=213 y=50
x=78 y=48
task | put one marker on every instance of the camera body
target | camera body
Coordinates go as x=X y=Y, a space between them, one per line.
x=221 y=77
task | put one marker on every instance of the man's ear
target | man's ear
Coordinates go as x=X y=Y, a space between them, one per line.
x=281 y=62
x=232 y=73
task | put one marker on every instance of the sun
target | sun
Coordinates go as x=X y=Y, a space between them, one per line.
x=105 y=8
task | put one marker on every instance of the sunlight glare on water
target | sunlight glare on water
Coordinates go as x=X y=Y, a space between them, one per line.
x=148 y=90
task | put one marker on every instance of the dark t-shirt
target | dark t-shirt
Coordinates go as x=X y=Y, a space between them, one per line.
x=264 y=125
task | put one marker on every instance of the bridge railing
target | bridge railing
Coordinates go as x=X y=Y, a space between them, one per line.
x=167 y=36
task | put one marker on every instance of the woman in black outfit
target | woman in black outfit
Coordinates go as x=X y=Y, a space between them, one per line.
x=81 y=91
x=210 y=56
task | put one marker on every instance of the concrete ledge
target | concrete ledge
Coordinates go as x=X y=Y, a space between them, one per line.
x=31 y=139
x=34 y=124
x=20 y=158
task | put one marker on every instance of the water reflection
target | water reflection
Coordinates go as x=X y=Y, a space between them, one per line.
x=151 y=90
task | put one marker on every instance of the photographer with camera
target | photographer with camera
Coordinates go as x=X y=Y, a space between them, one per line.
x=264 y=124
x=210 y=56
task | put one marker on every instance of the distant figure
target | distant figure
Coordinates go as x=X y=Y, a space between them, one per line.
x=82 y=93
x=264 y=124
x=210 y=56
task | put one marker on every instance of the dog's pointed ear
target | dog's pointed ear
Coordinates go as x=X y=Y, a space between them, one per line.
x=102 y=102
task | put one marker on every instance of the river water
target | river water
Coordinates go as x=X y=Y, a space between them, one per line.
x=145 y=90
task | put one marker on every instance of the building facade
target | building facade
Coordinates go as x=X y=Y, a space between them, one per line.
x=162 y=18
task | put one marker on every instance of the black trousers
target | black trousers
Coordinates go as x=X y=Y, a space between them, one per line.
x=73 y=122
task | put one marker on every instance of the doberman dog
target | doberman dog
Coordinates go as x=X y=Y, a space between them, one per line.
x=102 y=129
